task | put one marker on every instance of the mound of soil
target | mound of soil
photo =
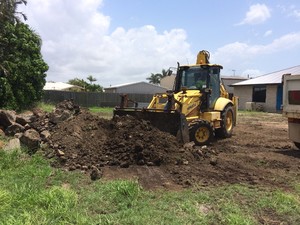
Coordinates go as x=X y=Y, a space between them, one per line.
x=87 y=141
x=258 y=153
x=80 y=140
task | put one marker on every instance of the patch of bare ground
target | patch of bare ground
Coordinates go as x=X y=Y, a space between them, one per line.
x=258 y=153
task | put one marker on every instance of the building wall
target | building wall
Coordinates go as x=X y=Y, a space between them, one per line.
x=271 y=98
x=227 y=81
x=138 y=88
x=168 y=82
x=141 y=88
x=244 y=93
x=110 y=90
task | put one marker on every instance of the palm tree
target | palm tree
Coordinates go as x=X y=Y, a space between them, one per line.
x=164 y=73
x=8 y=10
x=91 y=79
x=155 y=78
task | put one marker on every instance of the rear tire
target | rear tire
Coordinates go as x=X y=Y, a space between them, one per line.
x=297 y=144
x=227 y=123
x=201 y=132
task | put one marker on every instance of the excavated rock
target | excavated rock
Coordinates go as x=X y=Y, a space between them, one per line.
x=76 y=139
x=2 y=134
x=7 y=118
x=13 y=144
x=14 y=129
x=63 y=111
x=31 y=138
x=24 y=119
x=33 y=128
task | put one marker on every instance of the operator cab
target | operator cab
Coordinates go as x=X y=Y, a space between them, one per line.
x=205 y=78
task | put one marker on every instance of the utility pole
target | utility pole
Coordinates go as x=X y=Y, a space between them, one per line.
x=233 y=72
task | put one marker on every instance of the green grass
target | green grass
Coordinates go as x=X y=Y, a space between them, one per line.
x=31 y=192
x=105 y=112
x=45 y=106
x=250 y=113
x=101 y=109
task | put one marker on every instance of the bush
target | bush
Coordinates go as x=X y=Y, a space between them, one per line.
x=22 y=69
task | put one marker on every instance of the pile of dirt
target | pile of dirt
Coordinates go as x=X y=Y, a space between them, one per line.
x=80 y=140
x=258 y=153
x=86 y=141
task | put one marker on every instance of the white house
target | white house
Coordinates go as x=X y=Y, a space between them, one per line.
x=60 y=86
x=263 y=92
x=136 y=88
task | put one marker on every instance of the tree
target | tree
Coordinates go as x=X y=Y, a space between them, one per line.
x=94 y=88
x=9 y=13
x=78 y=82
x=85 y=85
x=8 y=10
x=164 y=73
x=91 y=79
x=155 y=78
x=22 y=69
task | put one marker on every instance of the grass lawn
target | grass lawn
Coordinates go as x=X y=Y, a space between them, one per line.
x=105 y=112
x=32 y=192
x=45 y=106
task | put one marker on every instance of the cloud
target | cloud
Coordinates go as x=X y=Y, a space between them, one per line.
x=268 y=33
x=257 y=14
x=239 y=55
x=77 y=43
x=291 y=11
x=296 y=13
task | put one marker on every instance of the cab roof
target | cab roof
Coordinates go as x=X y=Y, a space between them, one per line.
x=204 y=65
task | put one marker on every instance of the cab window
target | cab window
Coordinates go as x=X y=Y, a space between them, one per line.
x=194 y=78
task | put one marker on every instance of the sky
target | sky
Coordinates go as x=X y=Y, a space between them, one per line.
x=118 y=41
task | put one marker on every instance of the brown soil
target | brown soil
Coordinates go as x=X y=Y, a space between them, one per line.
x=258 y=153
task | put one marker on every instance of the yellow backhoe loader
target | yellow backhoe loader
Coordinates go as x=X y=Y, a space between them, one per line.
x=197 y=109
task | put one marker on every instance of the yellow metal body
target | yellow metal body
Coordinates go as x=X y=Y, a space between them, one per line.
x=188 y=102
x=198 y=106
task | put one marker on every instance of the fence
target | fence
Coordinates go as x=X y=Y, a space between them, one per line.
x=90 y=99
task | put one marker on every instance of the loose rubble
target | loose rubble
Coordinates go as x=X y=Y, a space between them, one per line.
x=79 y=140
x=32 y=128
x=75 y=139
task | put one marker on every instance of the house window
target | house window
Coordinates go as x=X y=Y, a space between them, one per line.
x=259 y=93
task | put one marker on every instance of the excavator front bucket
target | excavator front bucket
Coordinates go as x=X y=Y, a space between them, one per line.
x=172 y=122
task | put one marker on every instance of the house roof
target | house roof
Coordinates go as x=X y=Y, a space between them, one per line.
x=131 y=84
x=233 y=78
x=270 y=78
x=60 y=86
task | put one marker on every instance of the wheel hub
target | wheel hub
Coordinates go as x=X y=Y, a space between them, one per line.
x=202 y=134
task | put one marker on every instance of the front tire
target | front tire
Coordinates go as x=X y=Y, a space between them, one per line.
x=227 y=123
x=201 y=132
